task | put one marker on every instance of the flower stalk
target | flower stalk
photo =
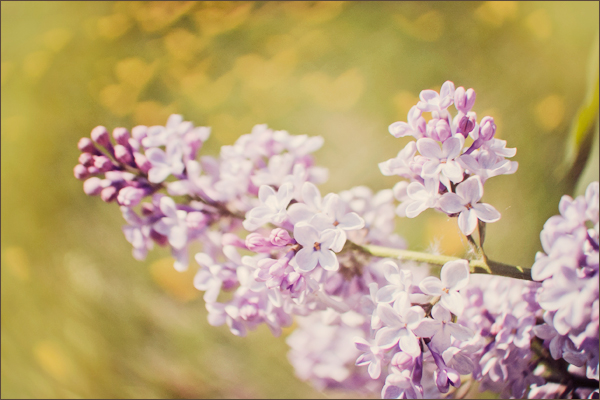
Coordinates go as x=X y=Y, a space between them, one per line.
x=478 y=266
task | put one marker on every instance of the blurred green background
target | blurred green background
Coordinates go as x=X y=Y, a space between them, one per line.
x=82 y=318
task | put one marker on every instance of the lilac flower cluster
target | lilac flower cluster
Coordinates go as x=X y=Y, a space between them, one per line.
x=568 y=271
x=275 y=250
x=443 y=171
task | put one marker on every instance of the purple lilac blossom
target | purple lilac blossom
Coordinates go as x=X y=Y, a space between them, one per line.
x=435 y=174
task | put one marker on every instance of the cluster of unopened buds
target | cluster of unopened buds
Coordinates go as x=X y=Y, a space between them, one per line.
x=369 y=317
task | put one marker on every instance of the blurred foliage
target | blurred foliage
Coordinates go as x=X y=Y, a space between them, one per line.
x=81 y=318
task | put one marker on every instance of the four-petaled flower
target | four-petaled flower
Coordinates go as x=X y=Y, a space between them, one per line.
x=465 y=202
x=315 y=248
x=454 y=276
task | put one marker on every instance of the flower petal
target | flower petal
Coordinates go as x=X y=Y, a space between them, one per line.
x=306 y=234
x=486 y=212
x=431 y=286
x=307 y=259
x=429 y=148
x=467 y=221
x=471 y=190
x=328 y=260
x=452 y=203
x=455 y=274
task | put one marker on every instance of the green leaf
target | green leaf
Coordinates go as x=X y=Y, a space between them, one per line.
x=579 y=142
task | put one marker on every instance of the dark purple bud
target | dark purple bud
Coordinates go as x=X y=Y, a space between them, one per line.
x=100 y=136
x=109 y=194
x=93 y=186
x=139 y=132
x=121 y=136
x=280 y=237
x=80 y=172
x=466 y=124
x=122 y=154
x=487 y=128
x=148 y=209
x=103 y=163
x=86 y=159
x=161 y=240
x=142 y=162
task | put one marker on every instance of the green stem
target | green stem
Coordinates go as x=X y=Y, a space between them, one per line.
x=477 y=266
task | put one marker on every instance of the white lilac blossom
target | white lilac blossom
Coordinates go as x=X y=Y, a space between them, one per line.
x=281 y=252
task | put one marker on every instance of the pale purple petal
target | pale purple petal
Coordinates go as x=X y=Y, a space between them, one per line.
x=306 y=235
x=400 y=129
x=427 y=328
x=452 y=203
x=460 y=332
x=387 y=337
x=486 y=212
x=455 y=274
x=328 y=260
x=307 y=259
x=351 y=221
x=415 y=208
x=429 y=148
x=408 y=343
x=265 y=192
x=453 y=301
x=467 y=221
x=471 y=190
x=431 y=285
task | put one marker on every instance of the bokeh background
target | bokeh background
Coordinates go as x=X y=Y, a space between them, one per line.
x=82 y=318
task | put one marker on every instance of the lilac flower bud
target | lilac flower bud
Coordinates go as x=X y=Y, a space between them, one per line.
x=139 y=132
x=248 y=311
x=438 y=129
x=93 y=186
x=196 y=220
x=109 y=194
x=142 y=162
x=487 y=128
x=93 y=170
x=80 y=171
x=280 y=237
x=103 y=163
x=161 y=240
x=134 y=144
x=255 y=242
x=130 y=196
x=119 y=176
x=466 y=123
x=87 y=145
x=148 y=209
x=464 y=100
x=121 y=136
x=231 y=239
x=86 y=159
x=122 y=154
x=100 y=135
